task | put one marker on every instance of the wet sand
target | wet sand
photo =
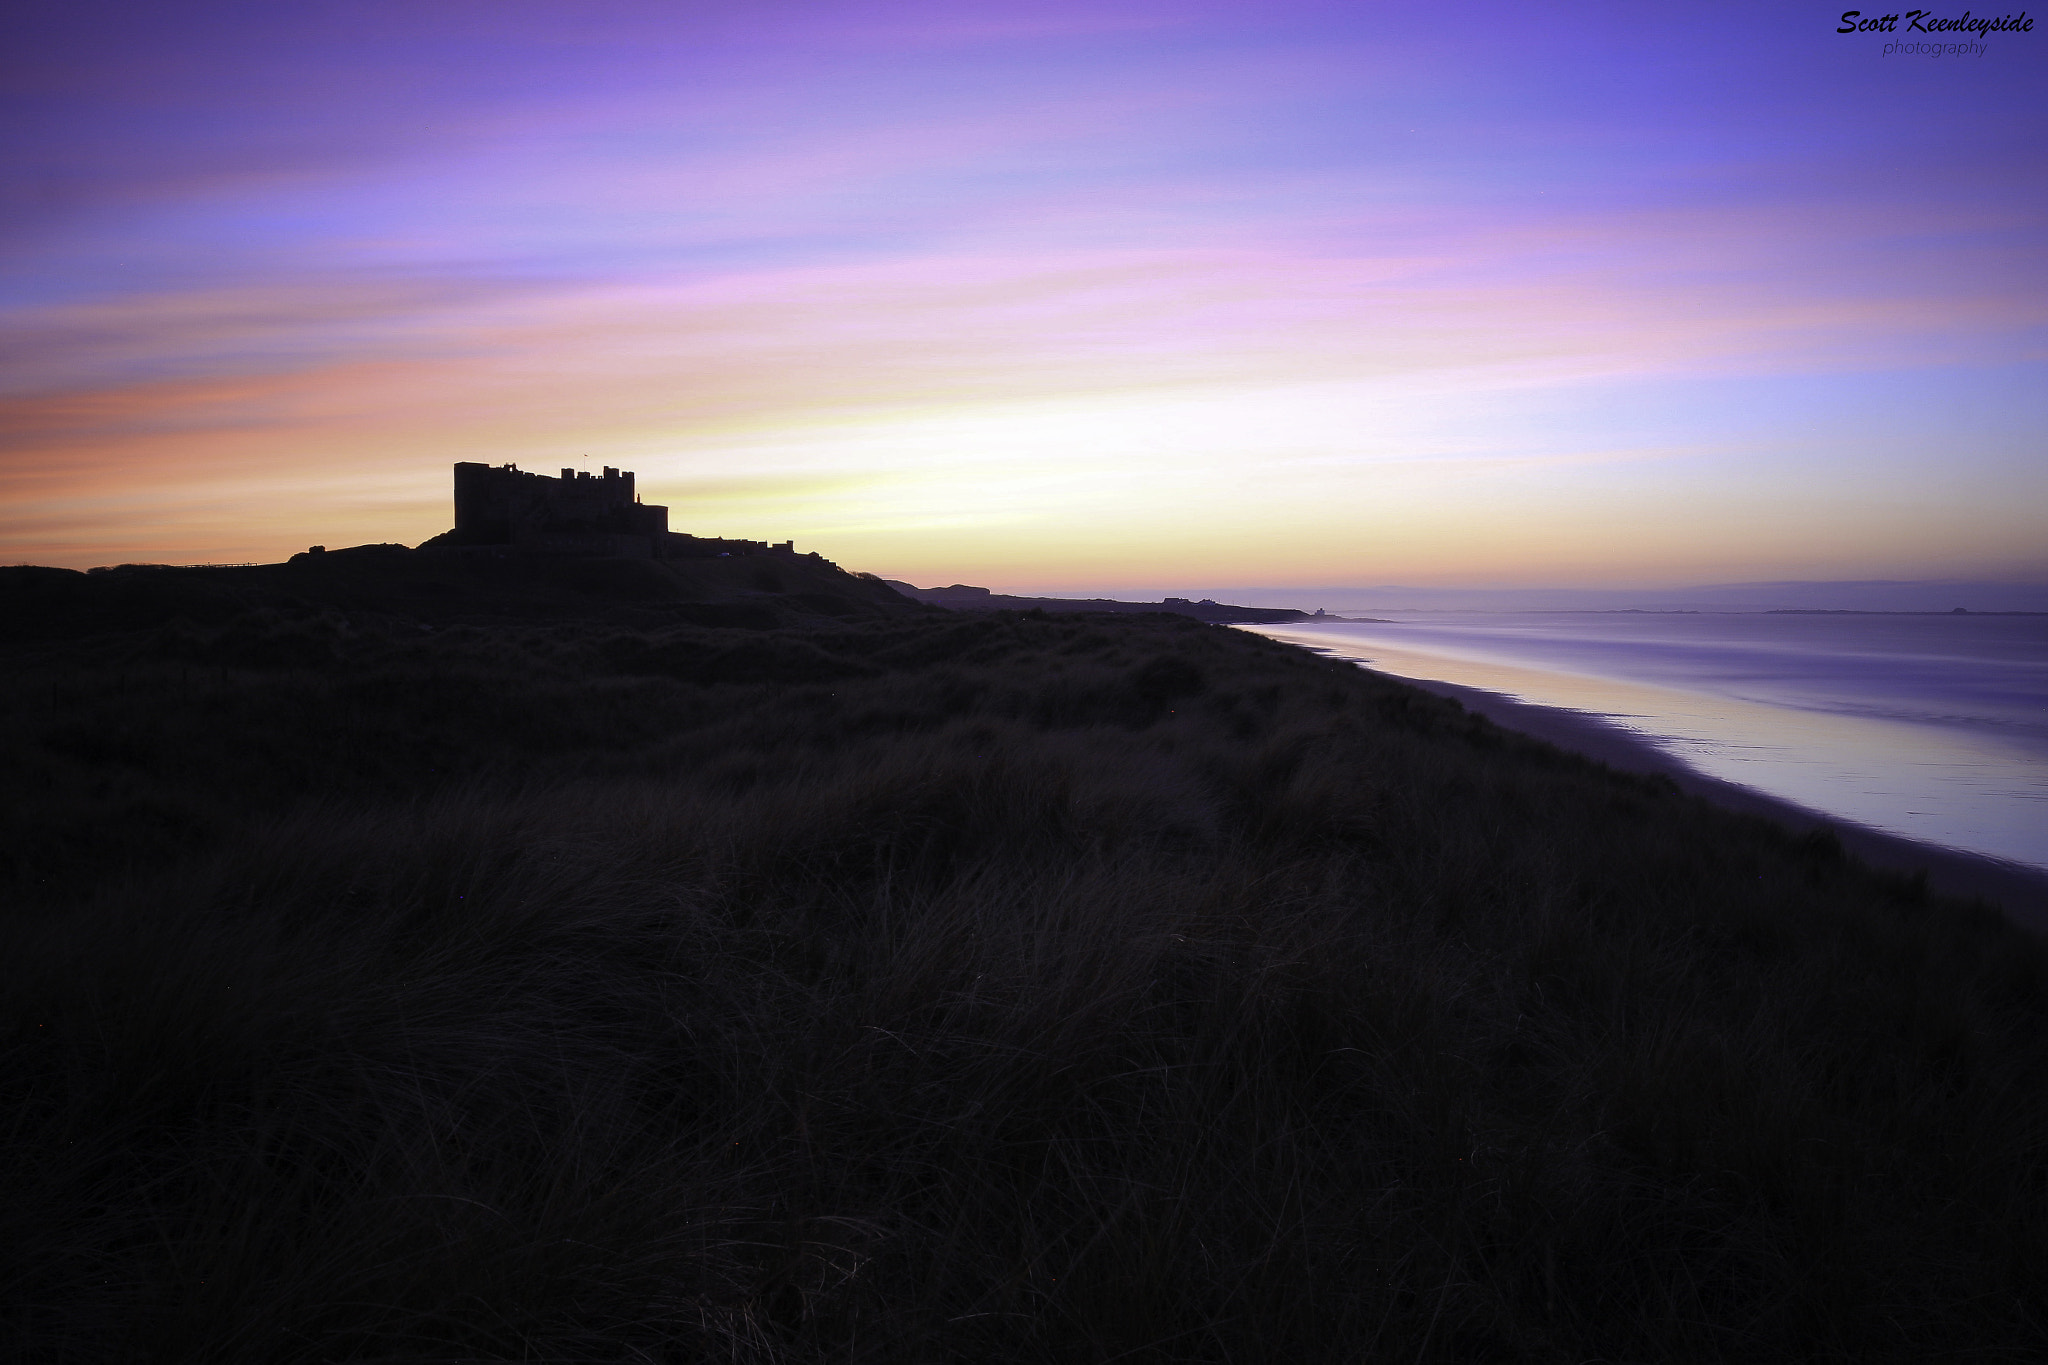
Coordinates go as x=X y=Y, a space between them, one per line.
x=2019 y=891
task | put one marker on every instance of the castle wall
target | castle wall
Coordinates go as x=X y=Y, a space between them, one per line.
x=504 y=505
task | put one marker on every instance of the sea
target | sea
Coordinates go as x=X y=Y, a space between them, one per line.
x=1930 y=726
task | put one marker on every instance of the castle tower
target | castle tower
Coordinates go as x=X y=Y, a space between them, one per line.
x=504 y=505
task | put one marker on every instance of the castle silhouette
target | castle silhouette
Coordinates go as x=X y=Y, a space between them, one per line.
x=505 y=508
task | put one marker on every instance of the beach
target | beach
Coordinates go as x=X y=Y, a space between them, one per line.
x=2022 y=892
x=1920 y=740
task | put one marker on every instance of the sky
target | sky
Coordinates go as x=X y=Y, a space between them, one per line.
x=1040 y=296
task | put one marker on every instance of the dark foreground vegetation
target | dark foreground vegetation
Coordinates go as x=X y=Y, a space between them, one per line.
x=597 y=977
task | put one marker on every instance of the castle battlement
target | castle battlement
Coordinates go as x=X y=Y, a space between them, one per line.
x=504 y=505
x=576 y=514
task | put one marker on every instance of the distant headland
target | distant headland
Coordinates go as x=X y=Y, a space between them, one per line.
x=961 y=597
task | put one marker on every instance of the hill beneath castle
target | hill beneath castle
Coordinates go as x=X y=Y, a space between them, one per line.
x=437 y=586
x=444 y=588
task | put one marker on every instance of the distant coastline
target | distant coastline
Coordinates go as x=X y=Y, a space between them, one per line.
x=962 y=597
x=1932 y=596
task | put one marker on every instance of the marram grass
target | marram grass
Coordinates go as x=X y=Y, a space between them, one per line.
x=972 y=990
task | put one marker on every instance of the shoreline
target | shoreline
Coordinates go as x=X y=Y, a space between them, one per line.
x=2021 y=892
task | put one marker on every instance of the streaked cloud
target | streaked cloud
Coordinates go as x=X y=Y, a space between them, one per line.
x=1097 y=282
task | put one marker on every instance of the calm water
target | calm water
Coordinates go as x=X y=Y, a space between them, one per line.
x=1934 y=727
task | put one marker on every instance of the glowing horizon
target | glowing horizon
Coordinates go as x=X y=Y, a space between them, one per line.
x=1114 y=292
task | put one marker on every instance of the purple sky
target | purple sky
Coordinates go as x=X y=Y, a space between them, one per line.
x=1042 y=297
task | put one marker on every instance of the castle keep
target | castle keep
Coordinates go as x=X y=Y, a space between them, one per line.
x=576 y=514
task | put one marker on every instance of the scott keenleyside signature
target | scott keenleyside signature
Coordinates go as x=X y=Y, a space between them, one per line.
x=1925 y=21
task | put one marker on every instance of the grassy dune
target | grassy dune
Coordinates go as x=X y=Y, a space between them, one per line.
x=891 y=986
